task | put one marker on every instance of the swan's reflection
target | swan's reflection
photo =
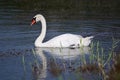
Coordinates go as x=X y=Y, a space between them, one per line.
x=41 y=74
x=64 y=53
x=58 y=53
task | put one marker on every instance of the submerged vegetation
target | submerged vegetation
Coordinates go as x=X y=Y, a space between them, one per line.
x=99 y=62
x=114 y=73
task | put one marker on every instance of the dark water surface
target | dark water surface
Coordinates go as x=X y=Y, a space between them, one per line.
x=17 y=36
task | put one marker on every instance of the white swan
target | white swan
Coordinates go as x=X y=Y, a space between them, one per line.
x=64 y=40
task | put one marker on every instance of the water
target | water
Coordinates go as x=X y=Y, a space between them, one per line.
x=17 y=36
x=16 y=30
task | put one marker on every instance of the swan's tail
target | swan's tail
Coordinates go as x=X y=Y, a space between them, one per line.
x=87 y=40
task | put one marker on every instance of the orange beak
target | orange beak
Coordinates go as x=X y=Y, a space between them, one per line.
x=33 y=22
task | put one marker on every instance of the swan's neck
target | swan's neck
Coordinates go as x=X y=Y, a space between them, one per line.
x=41 y=37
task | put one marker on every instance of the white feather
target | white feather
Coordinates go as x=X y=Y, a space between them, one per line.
x=64 y=40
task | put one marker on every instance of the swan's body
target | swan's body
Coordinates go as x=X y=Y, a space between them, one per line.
x=64 y=40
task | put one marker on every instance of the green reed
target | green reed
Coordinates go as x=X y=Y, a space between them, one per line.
x=99 y=54
x=97 y=57
x=24 y=67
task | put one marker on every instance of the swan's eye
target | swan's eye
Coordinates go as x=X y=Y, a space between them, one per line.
x=33 y=21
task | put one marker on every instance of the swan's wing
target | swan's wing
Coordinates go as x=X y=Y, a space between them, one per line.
x=64 y=40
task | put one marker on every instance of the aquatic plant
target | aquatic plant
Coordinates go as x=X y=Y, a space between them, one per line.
x=114 y=73
x=98 y=61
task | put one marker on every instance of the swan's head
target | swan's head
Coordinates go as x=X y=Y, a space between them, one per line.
x=37 y=18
